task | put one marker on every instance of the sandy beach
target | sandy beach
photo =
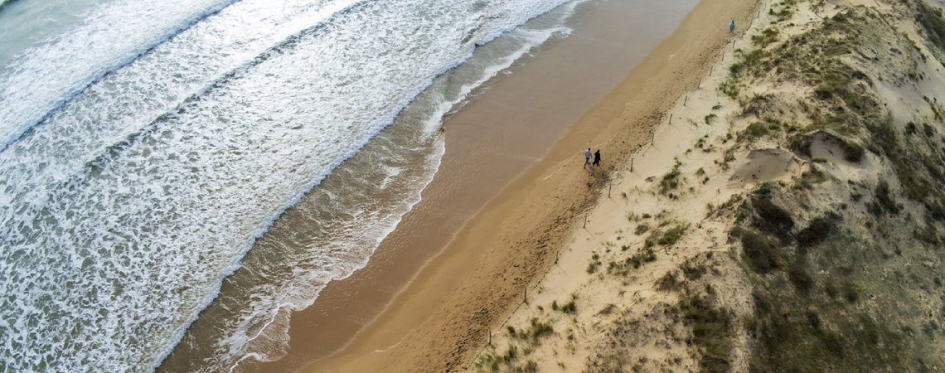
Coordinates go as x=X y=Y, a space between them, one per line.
x=444 y=316
x=400 y=186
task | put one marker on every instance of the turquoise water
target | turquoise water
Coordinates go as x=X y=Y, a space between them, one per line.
x=24 y=24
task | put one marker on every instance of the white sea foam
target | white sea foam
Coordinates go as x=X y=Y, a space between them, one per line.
x=270 y=338
x=48 y=75
x=126 y=208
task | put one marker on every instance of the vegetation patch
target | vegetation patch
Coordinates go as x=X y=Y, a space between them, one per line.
x=668 y=282
x=842 y=292
x=759 y=250
x=772 y=218
x=768 y=36
x=672 y=179
x=711 y=330
x=819 y=230
x=672 y=235
x=930 y=18
x=635 y=261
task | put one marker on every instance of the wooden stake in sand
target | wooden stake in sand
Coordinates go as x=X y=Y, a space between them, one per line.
x=610 y=189
x=631 y=164
x=585 y=221
x=686 y=101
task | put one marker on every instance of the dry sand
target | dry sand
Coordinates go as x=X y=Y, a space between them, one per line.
x=491 y=141
x=595 y=311
x=444 y=317
x=629 y=308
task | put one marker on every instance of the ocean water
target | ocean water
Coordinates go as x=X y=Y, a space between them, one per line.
x=146 y=147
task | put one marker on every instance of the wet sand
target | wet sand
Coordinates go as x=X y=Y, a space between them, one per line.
x=501 y=248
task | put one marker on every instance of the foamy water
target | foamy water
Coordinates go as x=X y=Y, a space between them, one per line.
x=145 y=151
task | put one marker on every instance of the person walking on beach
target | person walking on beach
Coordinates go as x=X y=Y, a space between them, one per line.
x=596 y=157
x=587 y=157
x=731 y=27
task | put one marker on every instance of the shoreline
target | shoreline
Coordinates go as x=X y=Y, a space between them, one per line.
x=435 y=324
x=490 y=142
x=528 y=221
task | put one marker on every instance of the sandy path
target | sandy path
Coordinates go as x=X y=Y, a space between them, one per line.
x=445 y=314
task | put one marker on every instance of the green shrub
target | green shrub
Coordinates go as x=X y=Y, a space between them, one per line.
x=850 y=292
x=712 y=333
x=671 y=180
x=673 y=234
x=756 y=130
x=768 y=36
x=884 y=199
x=569 y=307
x=759 y=250
x=931 y=20
x=819 y=230
x=668 y=282
x=710 y=118
x=538 y=329
x=693 y=271
x=801 y=278
x=772 y=218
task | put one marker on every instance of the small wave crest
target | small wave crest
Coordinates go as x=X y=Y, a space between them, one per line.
x=261 y=332
x=57 y=69
x=107 y=243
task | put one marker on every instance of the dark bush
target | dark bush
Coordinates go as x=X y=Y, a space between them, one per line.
x=834 y=343
x=931 y=20
x=801 y=145
x=850 y=292
x=819 y=230
x=760 y=250
x=801 y=278
x=712 y=333
x=831 y=289
x=813 y=318
x=693 y=271
x=668 y=282
x=911 y=128
x=755 y=130
x=885 y=137
x=929 y=130
x=765 y=190
x=673 y=234
x=773 y=219
x=852 y=152
x=884 y=198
